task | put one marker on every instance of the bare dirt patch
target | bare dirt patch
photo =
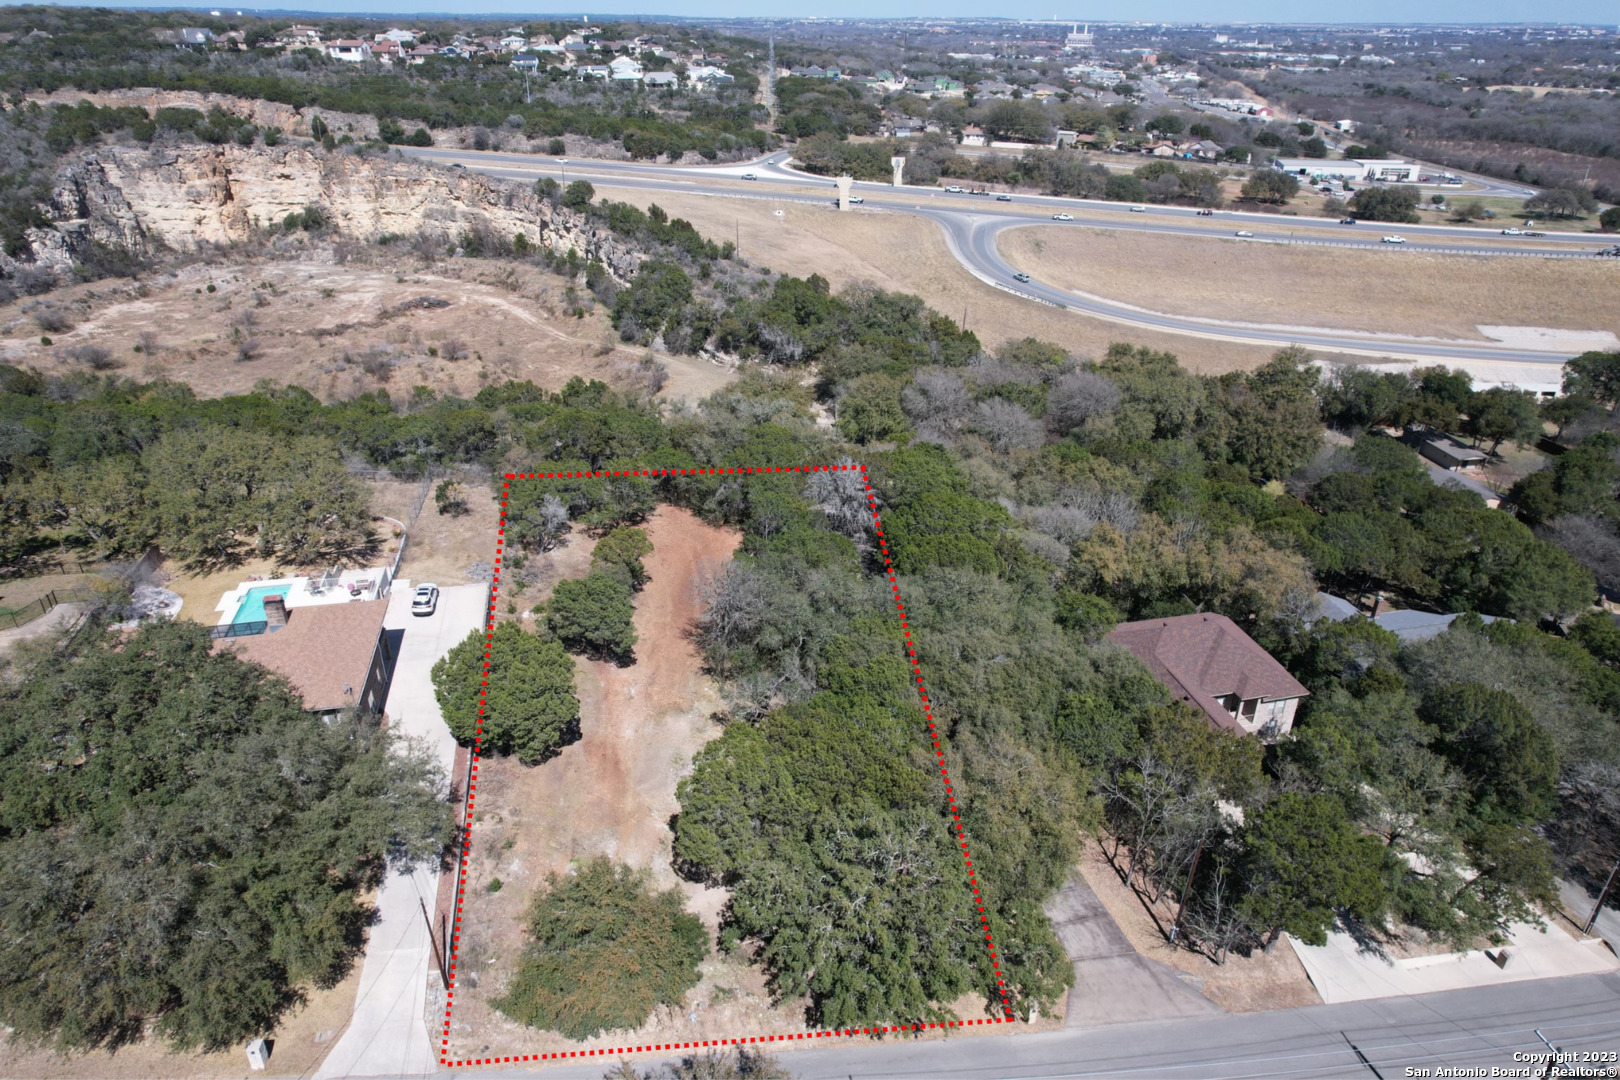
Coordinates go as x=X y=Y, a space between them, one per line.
x=898 y=252
x=442 y=548
x=379 y=321
x=1253 y=983
x=1398 y=292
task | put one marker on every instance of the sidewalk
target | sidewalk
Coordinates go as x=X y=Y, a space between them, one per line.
x=388 y=1034
x=1342 y=972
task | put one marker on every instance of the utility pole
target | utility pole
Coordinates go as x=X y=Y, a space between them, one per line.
x=444 y=972
x=1602 y=896
x=1175 y=927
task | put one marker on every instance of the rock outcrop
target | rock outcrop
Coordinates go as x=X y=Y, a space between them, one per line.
x=181 y=197
x=265 y=114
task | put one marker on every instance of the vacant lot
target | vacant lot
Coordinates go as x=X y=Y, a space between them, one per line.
x=900 y=252
x=612 y=793
x=1402 y=292
x=379 y=321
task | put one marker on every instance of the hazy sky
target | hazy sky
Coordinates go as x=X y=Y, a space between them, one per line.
x=1184 y=11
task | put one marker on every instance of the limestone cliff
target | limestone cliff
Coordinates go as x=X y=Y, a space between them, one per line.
x=182 y=196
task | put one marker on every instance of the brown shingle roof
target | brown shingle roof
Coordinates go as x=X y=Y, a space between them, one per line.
x=321 y=650
x=1205 y=657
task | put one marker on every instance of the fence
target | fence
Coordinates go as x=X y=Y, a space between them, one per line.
x=10 y=620
x=239 y=629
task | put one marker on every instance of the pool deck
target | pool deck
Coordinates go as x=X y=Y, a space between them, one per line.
x=299 y=592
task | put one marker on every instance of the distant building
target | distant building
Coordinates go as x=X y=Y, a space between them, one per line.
x=1450 y=454
x=1208 y=662
x=525 y=62
x=1079 y=40
x=973 y=136
x=353 y=50
x=194 y=37
x=1333 y=608
x=660 y=78
x=1420 y=625
x=335 y=655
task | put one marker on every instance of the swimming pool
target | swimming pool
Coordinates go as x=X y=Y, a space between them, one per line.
x=252 y=606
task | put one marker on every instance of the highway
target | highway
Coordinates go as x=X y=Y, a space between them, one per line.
x=1376 y=1040
x=971 y=224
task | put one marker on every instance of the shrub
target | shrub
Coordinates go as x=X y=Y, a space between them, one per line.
x=578 y=195
x=605 y=951
x=93 y=357
x=531 y=708
x=593 y=615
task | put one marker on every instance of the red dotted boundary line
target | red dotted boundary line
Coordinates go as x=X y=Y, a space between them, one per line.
x=472 y=788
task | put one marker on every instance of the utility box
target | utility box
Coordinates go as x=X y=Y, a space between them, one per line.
x=258 y=1052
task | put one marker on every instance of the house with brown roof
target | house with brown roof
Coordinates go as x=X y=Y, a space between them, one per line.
x=1208 y=662
x=335 y=655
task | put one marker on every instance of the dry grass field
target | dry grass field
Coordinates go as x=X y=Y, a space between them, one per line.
x=1403 y=292
x=896 y=251
x=378 y=321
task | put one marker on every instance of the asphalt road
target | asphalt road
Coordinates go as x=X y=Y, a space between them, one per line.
x=1478 y=1028
x=971 y=223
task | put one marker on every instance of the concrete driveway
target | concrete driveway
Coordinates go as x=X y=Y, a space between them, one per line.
x=388 y=1034
x=1113 y=983
x=1341 y=971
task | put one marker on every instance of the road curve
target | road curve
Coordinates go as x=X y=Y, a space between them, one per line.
x=971 y=224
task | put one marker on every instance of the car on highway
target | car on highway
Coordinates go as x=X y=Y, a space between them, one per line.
x=457 y=165
x=1244 y=234
x=1003 y=198
x=1062 y=217
x=1347 y=221
x=425 y=599
x=954 y=190
x=1138 y=209
x=1393 y=240
x=1609 y=252
x=1020 y=276
x=1512 y=232
x=750 y=176
x=979 y=191
x=1206 y=212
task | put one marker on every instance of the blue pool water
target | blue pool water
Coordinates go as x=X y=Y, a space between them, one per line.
x=252 y=608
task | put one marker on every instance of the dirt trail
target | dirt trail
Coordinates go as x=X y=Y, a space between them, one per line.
x=641 y=724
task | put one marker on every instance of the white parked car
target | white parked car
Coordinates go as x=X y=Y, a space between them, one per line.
x=1394 y=240
x=1138 y=209
x=425 y=600
x=1062 y=217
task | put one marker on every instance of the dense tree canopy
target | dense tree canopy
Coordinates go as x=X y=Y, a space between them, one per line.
x=182 y=845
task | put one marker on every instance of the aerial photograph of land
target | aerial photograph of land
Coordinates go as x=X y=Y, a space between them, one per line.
x=734 y=543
